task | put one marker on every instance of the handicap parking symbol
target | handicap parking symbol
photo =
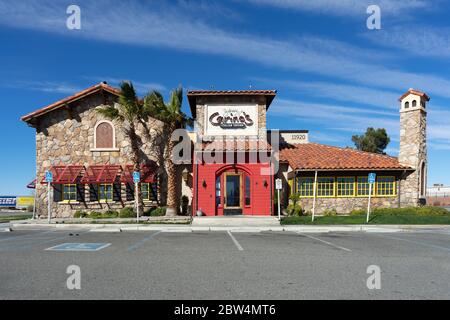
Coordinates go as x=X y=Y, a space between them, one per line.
x=79 y=247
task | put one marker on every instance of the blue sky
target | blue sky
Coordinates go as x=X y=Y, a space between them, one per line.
x=334 y=76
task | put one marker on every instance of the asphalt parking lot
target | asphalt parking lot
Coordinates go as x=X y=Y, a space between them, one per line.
x=223 y=265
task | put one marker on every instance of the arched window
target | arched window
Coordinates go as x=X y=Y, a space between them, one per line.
x=406 y=105
x=422 y=177
x=414 y=103
x=104 y=135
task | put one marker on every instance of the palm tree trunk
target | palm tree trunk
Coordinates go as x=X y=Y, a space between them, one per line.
x=172 y=199
x=135 y=158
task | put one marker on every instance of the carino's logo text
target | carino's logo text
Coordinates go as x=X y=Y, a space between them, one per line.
x=231 y=119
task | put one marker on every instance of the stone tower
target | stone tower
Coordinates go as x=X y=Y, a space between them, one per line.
x=413 y=146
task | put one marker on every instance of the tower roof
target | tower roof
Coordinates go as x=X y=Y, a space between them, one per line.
x=416 y=92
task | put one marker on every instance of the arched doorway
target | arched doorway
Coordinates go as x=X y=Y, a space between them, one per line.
x=233 y=191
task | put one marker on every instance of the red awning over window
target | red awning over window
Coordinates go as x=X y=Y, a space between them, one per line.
x=148 y=174
x=101 y=174
x=32 y=184
x=65 y=174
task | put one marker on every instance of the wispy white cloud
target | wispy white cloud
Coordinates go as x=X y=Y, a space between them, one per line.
x=416 y=40
x=382 y=99
x=344 y=7
x=140 y=86
x=440 y=146
x=352 y=119
x=130 y=22
x=43 y=86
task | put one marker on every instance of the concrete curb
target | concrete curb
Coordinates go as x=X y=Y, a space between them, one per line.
x=189 y=228
x=5 y=229
x=108 y=230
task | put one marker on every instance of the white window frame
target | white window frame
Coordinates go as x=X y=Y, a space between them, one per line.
x=95 y=137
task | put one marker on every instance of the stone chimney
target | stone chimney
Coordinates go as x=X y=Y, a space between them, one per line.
x=413 y=146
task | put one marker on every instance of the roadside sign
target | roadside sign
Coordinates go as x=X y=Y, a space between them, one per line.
x=79 y=247
x=48 y=176
x=278 y=184
x=8 y=202
x=136 y=177
x=371 y=179
x=24 y=202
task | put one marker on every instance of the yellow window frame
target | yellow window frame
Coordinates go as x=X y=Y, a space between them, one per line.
x=332 y=184
x=105 y=185
x=147 y=185
x=374 y=193
x=385 y=185
x=70 y=192
x=301 y=189
x=345 y=184
x=291 y=186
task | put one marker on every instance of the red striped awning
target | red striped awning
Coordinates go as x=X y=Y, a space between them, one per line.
x=65 y=174
x=148 y=174
x=101 y=174
x=32 y=184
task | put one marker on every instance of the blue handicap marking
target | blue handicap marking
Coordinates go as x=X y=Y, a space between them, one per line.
x=372 y=177
x=136 y=177
x=48 y=176
x=79 y=247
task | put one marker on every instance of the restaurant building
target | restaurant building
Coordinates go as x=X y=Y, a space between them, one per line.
x=89 y=156
x=235 y=159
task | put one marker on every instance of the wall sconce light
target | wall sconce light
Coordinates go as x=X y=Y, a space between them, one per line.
x=204 y=183
x=185 y=174
x=265 y=183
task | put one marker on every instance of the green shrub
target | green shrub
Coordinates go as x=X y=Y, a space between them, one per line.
x=426 y=210
x=158 y=212
x=127 y=212
x=110 y=214
x=295 y=197
x=294 y=210
x=95 y=215
x=330 y=212
x=357 y=212
x=80 y=214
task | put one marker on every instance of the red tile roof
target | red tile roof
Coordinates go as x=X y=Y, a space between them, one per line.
x=79 y=95
x=416 y=92
x=236 y=145
x=231 y=92
x=314 y=156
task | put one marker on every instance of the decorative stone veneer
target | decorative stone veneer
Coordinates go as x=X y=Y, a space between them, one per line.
x=346 y=205
x=413 y=152
x=66 y=137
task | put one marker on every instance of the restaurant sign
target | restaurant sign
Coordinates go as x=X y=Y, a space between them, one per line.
x=236 y=120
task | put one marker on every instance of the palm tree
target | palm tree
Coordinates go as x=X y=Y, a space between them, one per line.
x=173 y=118
x=130 y=112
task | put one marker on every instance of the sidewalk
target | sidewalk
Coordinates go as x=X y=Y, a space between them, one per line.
x=164 y=227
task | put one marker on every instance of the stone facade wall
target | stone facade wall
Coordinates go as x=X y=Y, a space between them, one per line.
x=346 y=205
x=413 y=152
x=66 y=137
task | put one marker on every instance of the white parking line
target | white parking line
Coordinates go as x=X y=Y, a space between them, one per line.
x=141 y=242
x=326 y=242
x=235 y=241
x=424 y=244
x=37 y=241
x=26 y=236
